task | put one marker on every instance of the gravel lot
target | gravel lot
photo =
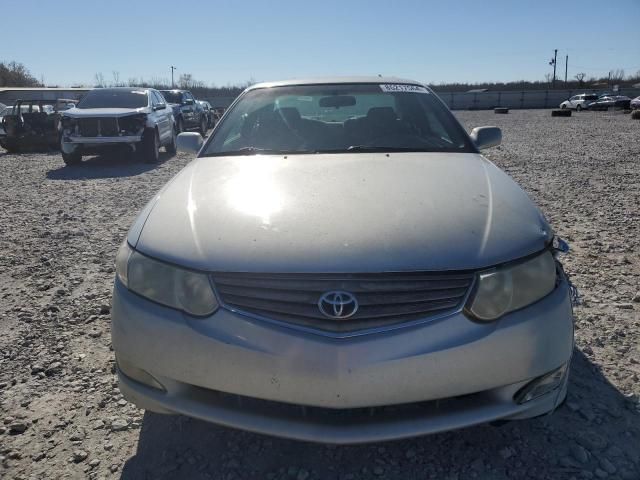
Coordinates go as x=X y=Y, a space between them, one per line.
x=62 y=416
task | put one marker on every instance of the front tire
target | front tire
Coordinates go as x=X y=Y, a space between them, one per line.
x=563 y=106
x=579 y=108
x=72 y=158
x=150 y=146
x=203 y=126
x=172 y=146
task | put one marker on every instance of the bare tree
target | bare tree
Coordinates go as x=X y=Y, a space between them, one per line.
x=99 y=80
x=616 y=75
x=580 y=77
x=116 y=79
x=547 y=78
x=185 y=81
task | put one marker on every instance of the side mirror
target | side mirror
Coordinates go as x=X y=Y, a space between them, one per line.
x=189 y=142
x=160 y=106
x=486 y=137
x=188 y=101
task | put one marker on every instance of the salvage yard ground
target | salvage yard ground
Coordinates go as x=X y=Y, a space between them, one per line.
x=62 y=416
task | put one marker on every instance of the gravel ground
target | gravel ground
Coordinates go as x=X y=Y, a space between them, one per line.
x=62 y=416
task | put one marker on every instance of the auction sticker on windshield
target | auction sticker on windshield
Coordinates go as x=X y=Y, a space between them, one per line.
x=399 y=87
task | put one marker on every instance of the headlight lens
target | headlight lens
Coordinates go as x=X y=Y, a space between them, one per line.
x=510 y=288
x=166 y=284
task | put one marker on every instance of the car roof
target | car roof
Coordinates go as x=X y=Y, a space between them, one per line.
x=333 y=81
x=122 y=89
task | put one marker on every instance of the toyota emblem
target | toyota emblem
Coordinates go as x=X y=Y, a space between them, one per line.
x=338 y=305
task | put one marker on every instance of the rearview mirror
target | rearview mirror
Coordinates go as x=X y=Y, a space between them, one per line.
x=160 y=106
x=188 y=101
x=189 y=142
x=486 y=137
x=337 y=101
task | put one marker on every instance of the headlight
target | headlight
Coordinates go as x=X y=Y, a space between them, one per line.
x=503 y=290
x=166 y=284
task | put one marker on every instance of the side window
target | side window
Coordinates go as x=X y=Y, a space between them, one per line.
x=158 y=98
x=188 y=96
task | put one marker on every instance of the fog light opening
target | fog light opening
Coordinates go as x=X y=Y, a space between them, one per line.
x=139 y=375
x=541 y=385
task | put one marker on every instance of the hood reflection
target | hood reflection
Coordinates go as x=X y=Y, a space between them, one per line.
x=253 y=189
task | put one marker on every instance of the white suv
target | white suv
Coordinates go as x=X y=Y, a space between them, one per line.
x=137 y=119
x=579 y=102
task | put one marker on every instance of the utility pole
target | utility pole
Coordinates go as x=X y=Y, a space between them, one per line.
x=553 y=62
x=172 y=69
x=566 y=67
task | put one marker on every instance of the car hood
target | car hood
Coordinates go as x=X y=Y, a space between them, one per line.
x=102 y=112
x=356 y=212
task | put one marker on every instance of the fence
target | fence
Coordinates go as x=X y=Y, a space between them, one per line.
x=515 y=99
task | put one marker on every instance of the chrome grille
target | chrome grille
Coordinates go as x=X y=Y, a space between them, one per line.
x=98 y=127
x=383 y=298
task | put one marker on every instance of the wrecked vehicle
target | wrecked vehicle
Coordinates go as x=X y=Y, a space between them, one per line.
x=136 y=119
x=29 y=124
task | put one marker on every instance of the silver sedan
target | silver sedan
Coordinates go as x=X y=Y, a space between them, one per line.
x=340 y=264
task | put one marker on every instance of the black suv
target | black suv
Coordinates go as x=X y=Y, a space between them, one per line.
x=188 y=113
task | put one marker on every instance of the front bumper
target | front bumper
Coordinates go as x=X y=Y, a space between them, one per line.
x=241 y=372
x=74 y=140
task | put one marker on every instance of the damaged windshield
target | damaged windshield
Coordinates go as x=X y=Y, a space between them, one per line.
x=334 y=118
x=114 y=98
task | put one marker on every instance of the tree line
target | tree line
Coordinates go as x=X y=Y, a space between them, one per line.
x=14 y=74
x=185 y=81
x=579 y=80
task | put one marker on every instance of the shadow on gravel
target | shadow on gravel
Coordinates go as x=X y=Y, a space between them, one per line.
x=107 y=165
x=597 y=422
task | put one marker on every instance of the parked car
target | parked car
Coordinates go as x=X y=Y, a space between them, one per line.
x=188 y=113
x=635 y=103
x=340 y=246
x=613 y=102
x=136 y=119
x=579 y=102
x=206 y=106
x=218 y=112
x=29 y=124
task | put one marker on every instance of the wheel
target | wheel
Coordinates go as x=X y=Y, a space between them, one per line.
x=203 y=126
x=579 y=108
x=72 y=158
x=149 y=147
x=179 y=126
x=172 y=147
x=563 y=106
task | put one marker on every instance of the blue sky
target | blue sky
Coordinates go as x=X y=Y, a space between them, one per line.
x=229 y=42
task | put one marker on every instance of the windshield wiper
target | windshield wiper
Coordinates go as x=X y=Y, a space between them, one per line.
x=371 y=148
x=254 y=151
